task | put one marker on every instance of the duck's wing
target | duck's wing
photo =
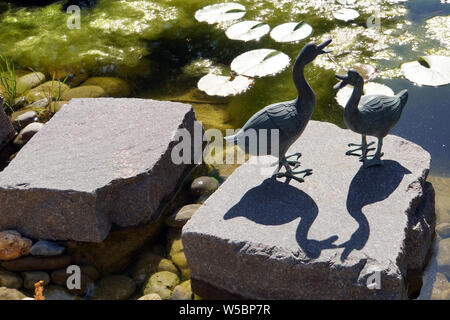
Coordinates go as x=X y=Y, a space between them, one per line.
x=280 y=116
x=377 y=112
x=379 y=104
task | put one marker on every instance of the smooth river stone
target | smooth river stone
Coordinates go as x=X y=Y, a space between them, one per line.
x=46 y=248
x=50 y=89
x=32 y=277
x=7 y=131
x=13 y=245
x=116 y=287
x=182 y=216
x=162 y=283
x=258 y=237
x=11 y=294
x=10 y=280
x=31 y=263
x=27 y=133
x=29 y=81
x=114 y=87
x=21 y=120
x=101 y=162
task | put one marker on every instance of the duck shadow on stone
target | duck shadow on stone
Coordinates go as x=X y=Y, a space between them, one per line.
x=274 y=203
x=370 y=185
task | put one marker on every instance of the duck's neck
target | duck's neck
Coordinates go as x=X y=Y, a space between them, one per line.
x=306 y=99
x=353 y=102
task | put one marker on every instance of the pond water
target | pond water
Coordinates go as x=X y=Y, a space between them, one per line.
x=162 y=51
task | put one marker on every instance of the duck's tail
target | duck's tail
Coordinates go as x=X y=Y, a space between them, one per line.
x=403 y=95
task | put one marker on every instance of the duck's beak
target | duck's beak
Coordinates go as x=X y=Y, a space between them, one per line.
x=321 y=46
x=341 y=83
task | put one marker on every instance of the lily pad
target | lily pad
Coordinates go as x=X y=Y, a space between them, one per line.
x=247 y=30
x=223 y=86
x=431 y=71
x=260 y=63
x=220 y=12
x=291 y=31
x=370 y=88
x=346 y=14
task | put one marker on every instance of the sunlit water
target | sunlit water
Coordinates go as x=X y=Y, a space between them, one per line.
x=163 y=51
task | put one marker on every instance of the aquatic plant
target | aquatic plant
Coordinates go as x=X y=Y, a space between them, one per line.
x=7 y=82
x=220 y=12
x=260 y=63
x=223 y=86
x=346 y=14
x=247 y=30
x=54 y=99
x=291 y=31
x=429 y=70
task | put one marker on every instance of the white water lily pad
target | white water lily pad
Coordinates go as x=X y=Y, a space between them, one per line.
x=436 y=73
x=223 y=86
x=220 y=12
x=247 y=30
x=346 y=14
x=291 y=31
x=370 y=88
x=260 y=63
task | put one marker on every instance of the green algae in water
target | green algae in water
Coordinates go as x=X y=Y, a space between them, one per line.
x=121 y=37
x=112 y=35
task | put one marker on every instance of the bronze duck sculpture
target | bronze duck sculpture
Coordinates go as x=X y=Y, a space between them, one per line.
x=370 y=115
x=290 y=118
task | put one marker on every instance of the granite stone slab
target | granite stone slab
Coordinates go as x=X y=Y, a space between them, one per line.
x=347 y=232
x=96 y=163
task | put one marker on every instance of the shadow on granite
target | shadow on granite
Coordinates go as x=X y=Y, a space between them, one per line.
x=370 y=185
x=288 y=201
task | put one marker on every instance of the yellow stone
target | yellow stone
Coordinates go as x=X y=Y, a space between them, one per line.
x=13 y=245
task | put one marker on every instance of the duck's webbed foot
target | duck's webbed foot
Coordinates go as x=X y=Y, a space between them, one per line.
x=294 y=164
x=289 y=166
x=376 y=159
x=297 y=155
x=361 y=147
x=292 y=175
x=288 y=176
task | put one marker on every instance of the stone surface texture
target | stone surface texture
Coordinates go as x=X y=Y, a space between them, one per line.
x=258 y=237
x=7 y=131
x=101 y=162
x=32 y=263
